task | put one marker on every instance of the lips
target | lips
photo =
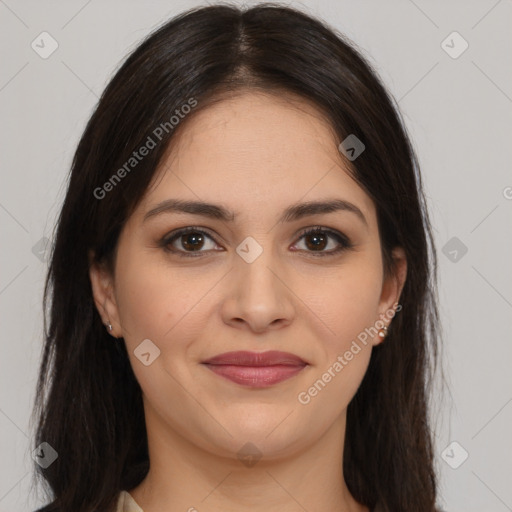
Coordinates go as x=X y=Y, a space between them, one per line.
x=256 y=369
x=243 y=358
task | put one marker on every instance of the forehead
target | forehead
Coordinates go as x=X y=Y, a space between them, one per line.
x=255 y=149
x=254 y=124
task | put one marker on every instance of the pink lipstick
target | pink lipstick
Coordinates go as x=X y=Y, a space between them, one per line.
x=256 y=369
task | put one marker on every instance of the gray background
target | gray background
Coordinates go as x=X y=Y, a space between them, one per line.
x=458 y=111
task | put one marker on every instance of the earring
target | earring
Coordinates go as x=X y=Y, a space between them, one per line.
x=109 y=327
x=383 y=332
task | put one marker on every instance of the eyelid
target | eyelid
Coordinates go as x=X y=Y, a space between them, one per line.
x=335 y=233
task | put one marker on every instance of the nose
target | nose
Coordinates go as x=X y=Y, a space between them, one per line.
x=258 y=297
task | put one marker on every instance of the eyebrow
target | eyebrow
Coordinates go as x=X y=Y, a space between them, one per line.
x=218 y=212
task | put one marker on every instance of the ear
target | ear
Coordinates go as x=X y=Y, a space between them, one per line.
x=392 y=286
x=102 y=283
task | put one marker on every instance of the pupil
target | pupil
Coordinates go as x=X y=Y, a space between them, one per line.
x=195 y=239
x=316 y=245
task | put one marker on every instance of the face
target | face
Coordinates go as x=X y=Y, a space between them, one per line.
x=254 y=282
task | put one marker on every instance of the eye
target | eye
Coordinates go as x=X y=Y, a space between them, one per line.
x=190 y=239
x=317 y=239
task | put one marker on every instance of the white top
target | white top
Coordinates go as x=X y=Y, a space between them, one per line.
x=126 y=503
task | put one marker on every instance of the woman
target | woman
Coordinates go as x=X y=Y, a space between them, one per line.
x=243 y=283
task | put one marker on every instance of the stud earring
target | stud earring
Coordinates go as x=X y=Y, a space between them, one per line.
x=109 y=327
x=383 y=332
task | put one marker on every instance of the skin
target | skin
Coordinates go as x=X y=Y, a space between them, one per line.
x=255 y=154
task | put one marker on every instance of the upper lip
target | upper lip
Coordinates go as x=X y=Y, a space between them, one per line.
x=244 y=358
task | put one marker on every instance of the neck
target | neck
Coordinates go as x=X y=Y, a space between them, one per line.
x=187 y=476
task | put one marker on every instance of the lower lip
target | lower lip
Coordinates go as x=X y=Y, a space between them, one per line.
x=255 y=376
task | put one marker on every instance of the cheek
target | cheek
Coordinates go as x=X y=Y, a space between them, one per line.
x=346 y=302
x=348 y=310
x=157 y=301
x=142 y=299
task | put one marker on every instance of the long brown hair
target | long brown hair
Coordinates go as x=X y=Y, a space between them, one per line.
x=88 y=404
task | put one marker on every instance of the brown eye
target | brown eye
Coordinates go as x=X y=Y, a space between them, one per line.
x=192 y=241
x=188 y=240
x=317 y=239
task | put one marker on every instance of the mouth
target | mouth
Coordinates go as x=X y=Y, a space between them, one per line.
x=256 y=369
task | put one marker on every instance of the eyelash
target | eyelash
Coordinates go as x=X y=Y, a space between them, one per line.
x=345 y=243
